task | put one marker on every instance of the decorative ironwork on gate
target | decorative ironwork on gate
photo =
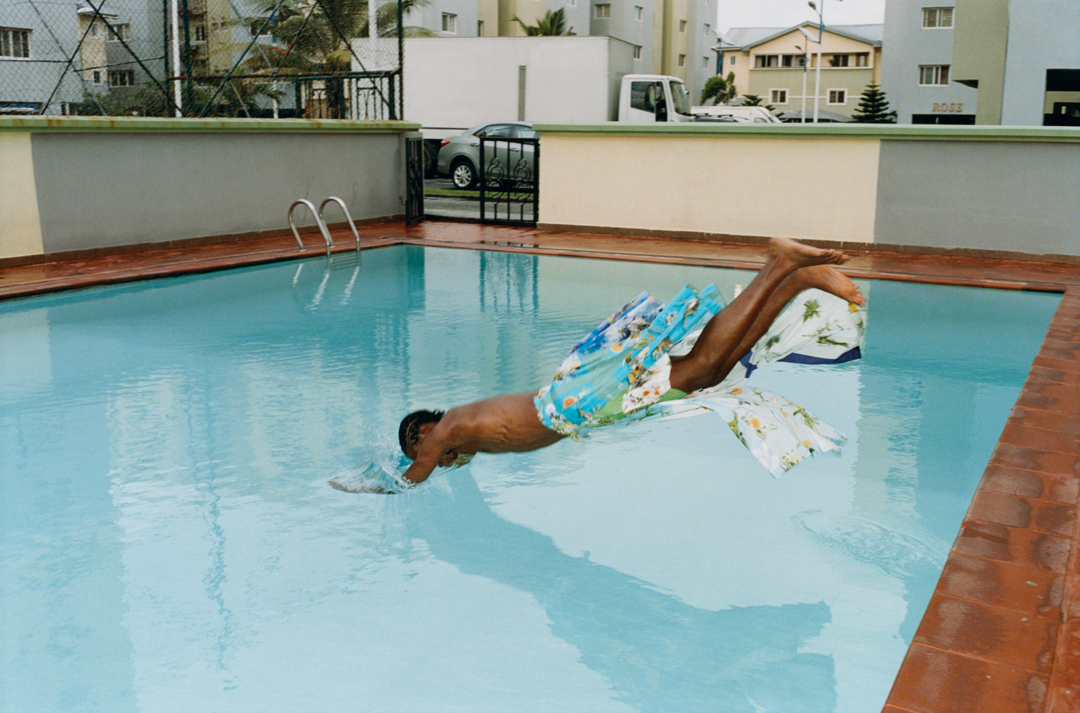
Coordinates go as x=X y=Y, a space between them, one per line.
x=414 y=180
x=509 y=180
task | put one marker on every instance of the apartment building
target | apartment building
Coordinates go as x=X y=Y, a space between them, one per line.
x=1023 y=57
x=917 y=76
x=674 y=37
x=1010 y=62
x=780 y=65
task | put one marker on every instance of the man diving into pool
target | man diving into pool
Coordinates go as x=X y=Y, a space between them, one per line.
x=630 y=365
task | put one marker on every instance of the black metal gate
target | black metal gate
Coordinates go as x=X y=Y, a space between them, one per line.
x=509 y=181
x=414 y=180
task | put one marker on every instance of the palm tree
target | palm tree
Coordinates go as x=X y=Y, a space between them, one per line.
x=552 y=24
x=755 y=100
x=719 y=90
x=316 y=35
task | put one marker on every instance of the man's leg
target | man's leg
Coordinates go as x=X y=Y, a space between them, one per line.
x=823 y=277
x=734 y=329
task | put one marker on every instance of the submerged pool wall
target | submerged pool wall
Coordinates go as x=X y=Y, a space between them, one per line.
x=998 y=191
x=75 y=185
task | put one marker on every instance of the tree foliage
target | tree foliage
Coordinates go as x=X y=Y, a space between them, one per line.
x=552 y=24
x=316 y=35
x=719 y=90
x=873 y=107
x=755 y=100
x=239 y=99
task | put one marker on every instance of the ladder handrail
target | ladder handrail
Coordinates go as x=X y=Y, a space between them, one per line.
x=317 y=215
x=348 y=216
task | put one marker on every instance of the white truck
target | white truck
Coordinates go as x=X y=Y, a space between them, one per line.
x=744 y=114
x=648 y=98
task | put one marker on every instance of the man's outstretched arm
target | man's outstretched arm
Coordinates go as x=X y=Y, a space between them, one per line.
x=436 y=444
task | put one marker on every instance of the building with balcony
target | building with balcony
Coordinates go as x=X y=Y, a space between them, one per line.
x=780 y=65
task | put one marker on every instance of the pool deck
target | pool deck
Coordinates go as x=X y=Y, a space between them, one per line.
x=1002 y=631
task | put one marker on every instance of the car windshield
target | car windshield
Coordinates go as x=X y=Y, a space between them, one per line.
x=680 y=98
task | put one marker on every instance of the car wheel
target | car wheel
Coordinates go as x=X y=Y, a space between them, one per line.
x=462 y=173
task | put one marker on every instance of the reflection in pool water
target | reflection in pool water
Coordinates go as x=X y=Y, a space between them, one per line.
x=170 y=540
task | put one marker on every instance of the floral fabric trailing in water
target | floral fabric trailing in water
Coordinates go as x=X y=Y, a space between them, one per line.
x=621 y=372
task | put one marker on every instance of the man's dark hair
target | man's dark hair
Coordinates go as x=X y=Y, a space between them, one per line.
x=409 y=430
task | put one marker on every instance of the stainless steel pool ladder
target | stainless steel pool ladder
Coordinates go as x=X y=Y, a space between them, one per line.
x=321 y=222
x=318 y=221
x=348 y=217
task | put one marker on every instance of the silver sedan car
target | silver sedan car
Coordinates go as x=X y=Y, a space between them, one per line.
x=459 y=156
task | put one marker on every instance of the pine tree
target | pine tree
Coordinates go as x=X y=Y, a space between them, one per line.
x=874 y=107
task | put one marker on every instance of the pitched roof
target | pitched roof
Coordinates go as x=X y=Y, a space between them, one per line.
x=743 y=38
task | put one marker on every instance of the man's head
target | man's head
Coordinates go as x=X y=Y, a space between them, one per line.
x=409 y=430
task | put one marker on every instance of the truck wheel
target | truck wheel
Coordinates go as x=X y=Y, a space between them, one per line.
x=462 y=173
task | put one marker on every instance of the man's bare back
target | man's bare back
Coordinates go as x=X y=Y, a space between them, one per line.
x=501 y=424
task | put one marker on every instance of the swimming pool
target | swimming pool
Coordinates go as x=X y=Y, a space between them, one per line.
x=170 y=541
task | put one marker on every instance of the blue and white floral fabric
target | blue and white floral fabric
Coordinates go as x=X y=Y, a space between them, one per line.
x=611 y=377
x=613 y=357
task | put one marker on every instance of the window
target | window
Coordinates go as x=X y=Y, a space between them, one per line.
x=862 y=59
x=122 y=78
x=936 y=17
x=639 y=12
x=257 y=26
x=707 y=28
x=479 y=28
x=682 y=25
x=704 y=62
x=645 y=95
x=93 y=29
x=838 y=96
x=603 y=12
x=14 y=42
x=732 y=62
x=637 y=51
x=763 y=61
x=778 y=96
x=792 y=60
x=120 y=32
x=501 y=131
x=200 y=33
x=933 y=75
x=97 y=76
x=839 y=60
x=682 y=60
x=449 y=23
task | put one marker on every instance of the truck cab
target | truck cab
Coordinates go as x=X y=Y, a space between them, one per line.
x=649 y=98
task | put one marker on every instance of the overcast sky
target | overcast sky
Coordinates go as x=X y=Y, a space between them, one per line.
x=785 y=13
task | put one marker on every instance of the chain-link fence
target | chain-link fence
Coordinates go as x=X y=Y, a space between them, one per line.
x=325 y=59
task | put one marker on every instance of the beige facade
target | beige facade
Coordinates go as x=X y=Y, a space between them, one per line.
x=773 y=68
x=979 y=45
x=92 y=50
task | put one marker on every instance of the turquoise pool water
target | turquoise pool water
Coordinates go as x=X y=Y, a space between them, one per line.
x=170 y=542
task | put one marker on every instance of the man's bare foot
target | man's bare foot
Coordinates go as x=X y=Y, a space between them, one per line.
x=799 y=255
x=831 y=280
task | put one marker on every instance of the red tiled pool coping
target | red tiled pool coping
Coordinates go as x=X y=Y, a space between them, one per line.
x=1002 y=631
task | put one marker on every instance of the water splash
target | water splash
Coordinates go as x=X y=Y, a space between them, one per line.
x=897 y=553
x=381 y=470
